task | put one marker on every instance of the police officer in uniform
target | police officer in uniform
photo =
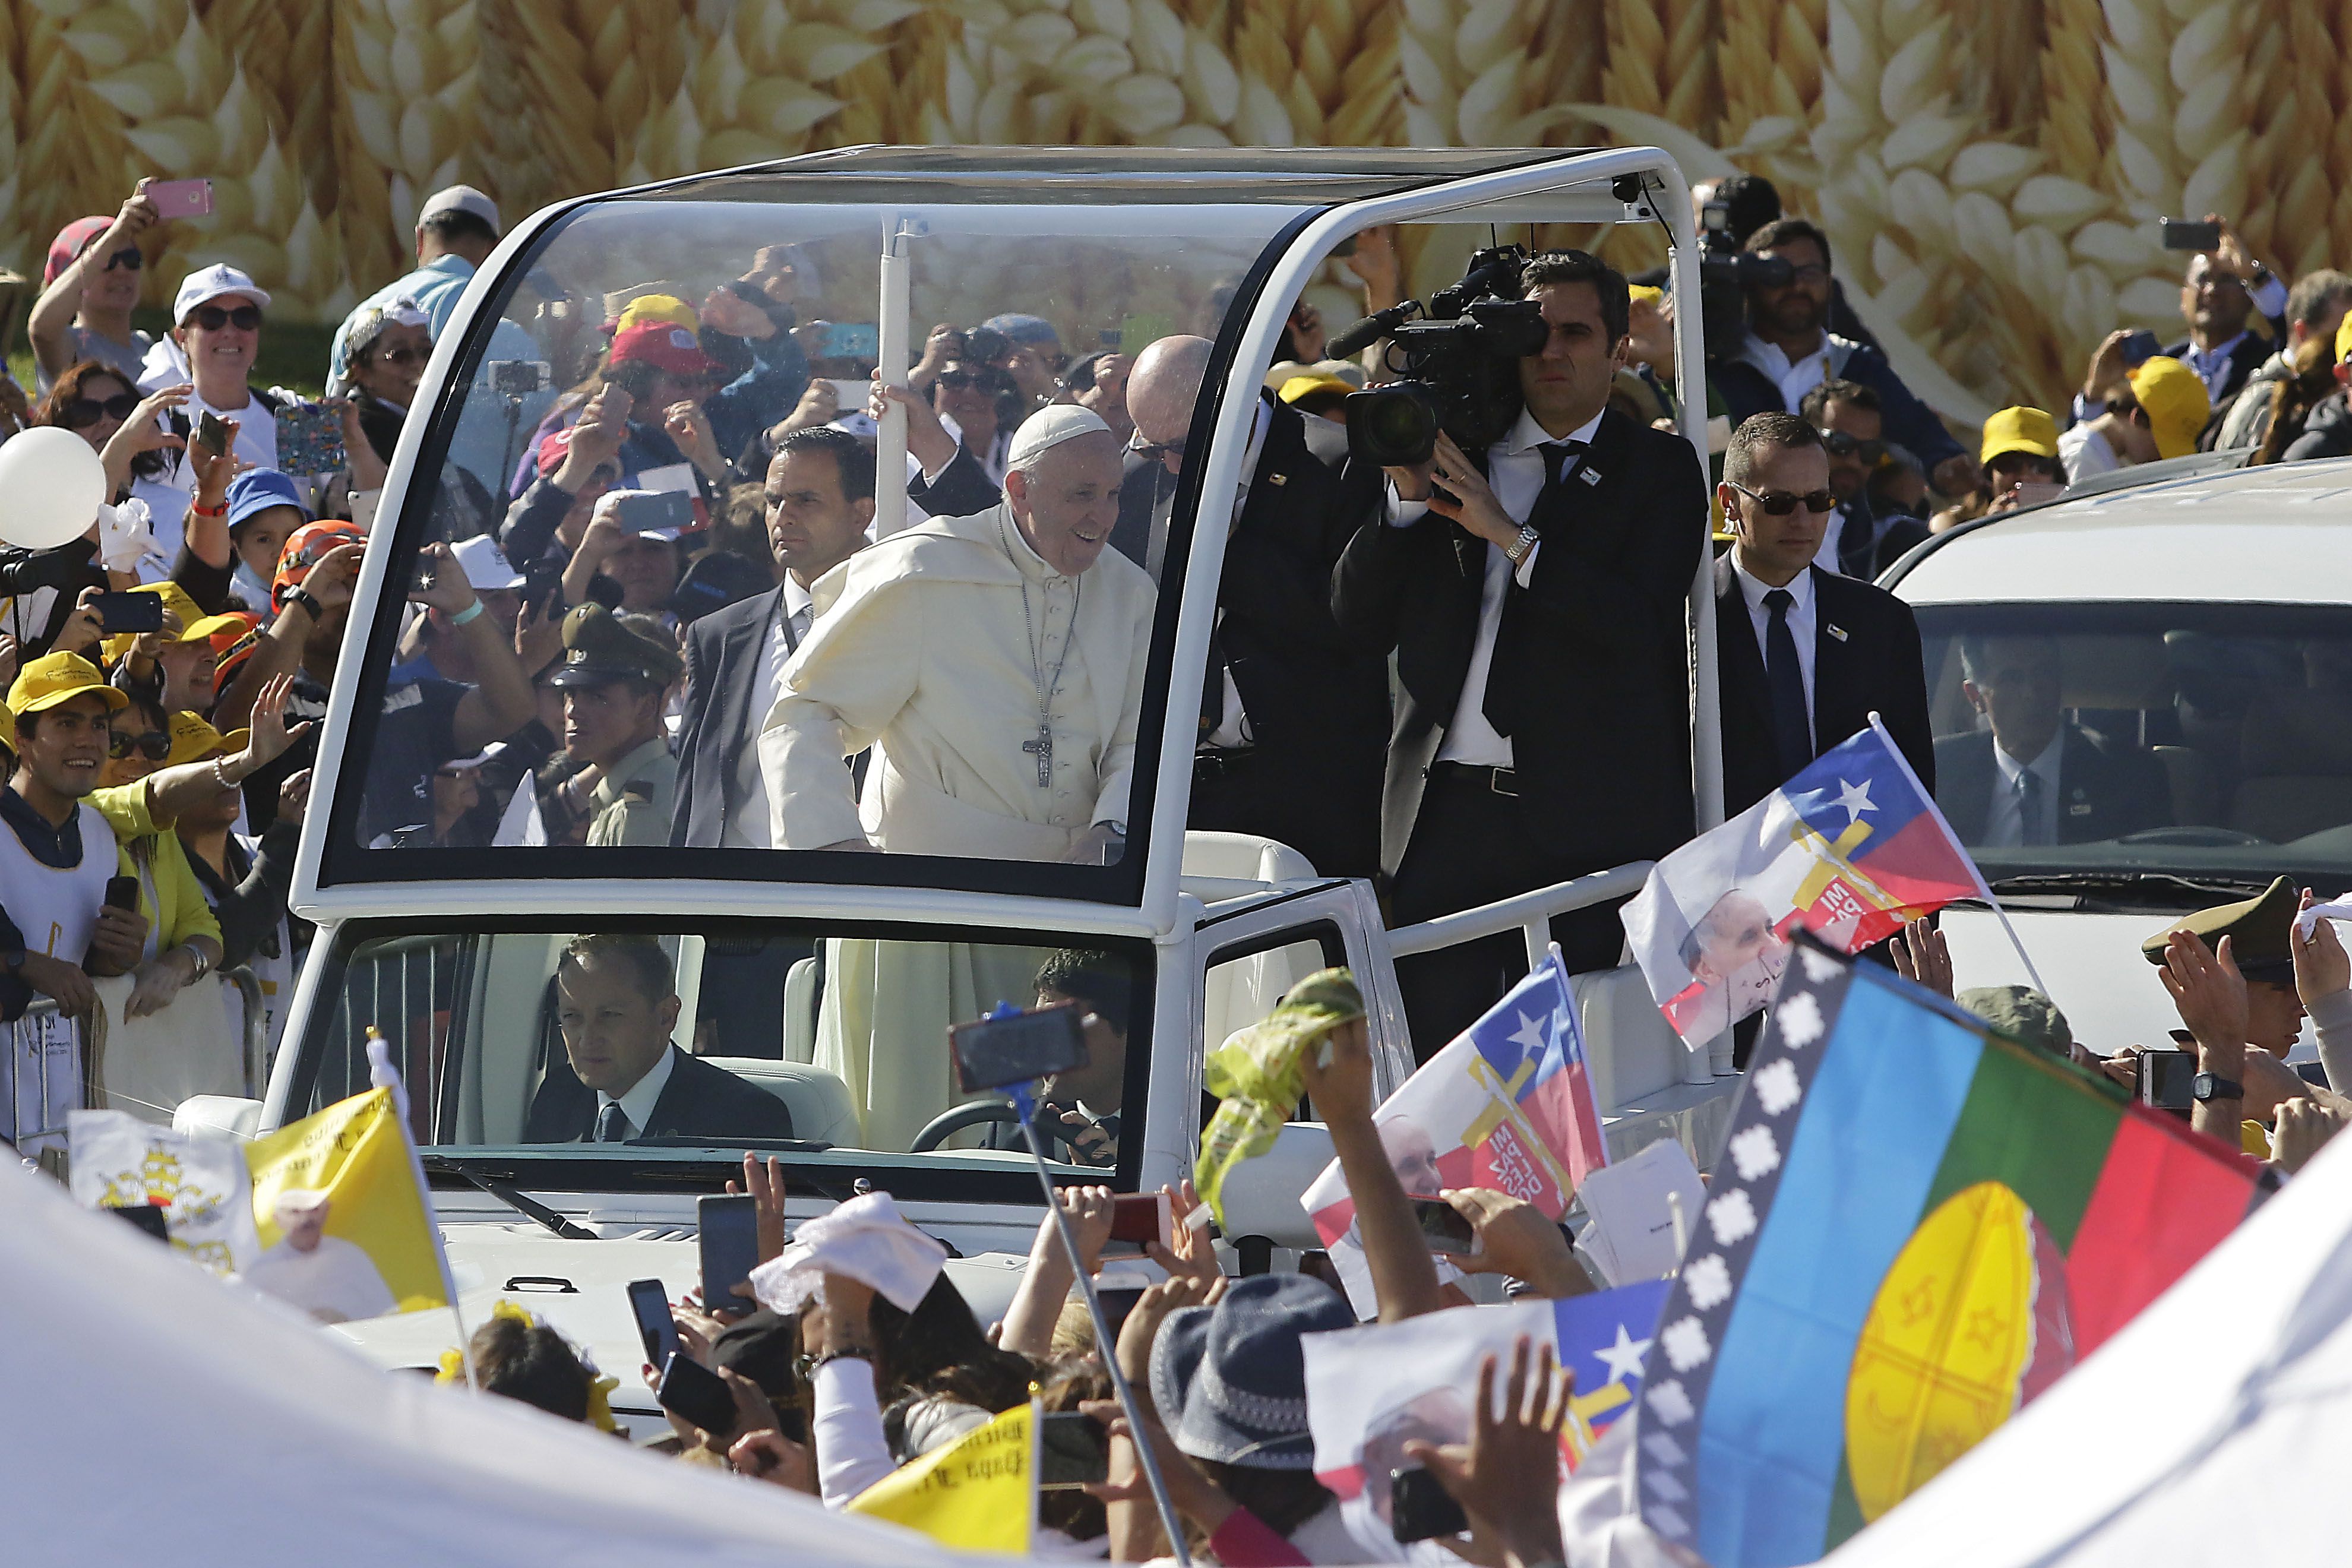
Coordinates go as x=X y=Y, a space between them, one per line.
x=2237 y=1004
x=615 y=679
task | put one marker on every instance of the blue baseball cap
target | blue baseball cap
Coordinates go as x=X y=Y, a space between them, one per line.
x=1022 y=328
x=258 y=490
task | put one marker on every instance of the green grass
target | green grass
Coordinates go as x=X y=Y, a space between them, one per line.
x=293 y=353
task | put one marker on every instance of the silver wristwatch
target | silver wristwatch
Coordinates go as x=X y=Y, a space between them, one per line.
x=1516 y=550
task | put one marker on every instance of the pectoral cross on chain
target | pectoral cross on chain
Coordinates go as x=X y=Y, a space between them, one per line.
x=1041 y=747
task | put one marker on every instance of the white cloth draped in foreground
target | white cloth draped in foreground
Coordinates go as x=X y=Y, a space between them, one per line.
x=924 y=652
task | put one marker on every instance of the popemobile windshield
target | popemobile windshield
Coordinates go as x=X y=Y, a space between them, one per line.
x=951 y=771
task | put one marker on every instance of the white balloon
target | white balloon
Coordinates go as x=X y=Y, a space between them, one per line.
x=51 y=485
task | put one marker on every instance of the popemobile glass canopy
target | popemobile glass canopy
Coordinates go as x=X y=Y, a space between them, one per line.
x=1001 y=695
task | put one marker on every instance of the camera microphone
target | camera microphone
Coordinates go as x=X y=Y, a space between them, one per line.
x=1371 y=330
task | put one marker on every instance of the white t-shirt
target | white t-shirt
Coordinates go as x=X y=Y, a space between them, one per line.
x=167 y=497
x=2085 y=452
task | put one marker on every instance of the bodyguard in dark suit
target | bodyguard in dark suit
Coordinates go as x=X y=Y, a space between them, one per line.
x=1830 y=650
x=616 y=1006
x=1859 y=542
x=2036 y=777
x=1293 y=718
x=1536 y=604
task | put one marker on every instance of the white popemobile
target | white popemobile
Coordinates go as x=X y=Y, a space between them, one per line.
x=826 y=979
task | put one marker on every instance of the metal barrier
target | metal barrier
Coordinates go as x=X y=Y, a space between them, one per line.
x=256 y=1056
x=1529 y=913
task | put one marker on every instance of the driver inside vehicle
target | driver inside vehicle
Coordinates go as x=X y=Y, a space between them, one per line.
x=2033 y=775
x=1084 y=1103
x=617 y=1005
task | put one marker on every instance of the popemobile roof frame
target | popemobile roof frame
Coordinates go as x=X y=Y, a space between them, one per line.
x=1338 y=193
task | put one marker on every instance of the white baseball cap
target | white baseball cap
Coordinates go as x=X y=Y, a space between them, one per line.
x=1049 y=427
x=485 y=564
x=217 y=282
x=459 y=199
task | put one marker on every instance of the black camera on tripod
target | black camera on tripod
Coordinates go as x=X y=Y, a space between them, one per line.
x=1725 y=274
x=1460 y=366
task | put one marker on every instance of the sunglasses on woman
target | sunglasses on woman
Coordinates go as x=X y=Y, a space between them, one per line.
x=81 y=412
x=128 y=258
x=1781 y=503
x=212 y=317
x=154 y=745
x=405 y=354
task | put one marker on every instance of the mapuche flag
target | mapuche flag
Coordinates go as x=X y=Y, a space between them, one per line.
x=1849 y=849
x=1915 y=1227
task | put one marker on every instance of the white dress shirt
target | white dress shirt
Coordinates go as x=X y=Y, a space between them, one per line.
x=1793 y=377
x=1515 y=472
x=746 y=826
x=1801 y=621
x=1826 y=557
x=638 y=1104
x=2005 y=826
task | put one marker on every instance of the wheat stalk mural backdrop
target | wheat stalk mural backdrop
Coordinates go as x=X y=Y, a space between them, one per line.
x=1990 y=172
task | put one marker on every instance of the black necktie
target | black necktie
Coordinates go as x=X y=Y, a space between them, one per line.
x=1792 y=728
x=612 y=1124
x=1500 y=703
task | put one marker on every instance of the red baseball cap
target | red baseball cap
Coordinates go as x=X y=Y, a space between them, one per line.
x=71 y=242
x=666 y=348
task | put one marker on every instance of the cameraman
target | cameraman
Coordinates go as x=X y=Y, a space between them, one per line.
x=1789 y=350
x=1535 y=600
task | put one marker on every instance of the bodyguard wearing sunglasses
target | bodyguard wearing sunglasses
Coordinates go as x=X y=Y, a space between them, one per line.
x=88 y=289
x=1805 y=655
x=1857 y=542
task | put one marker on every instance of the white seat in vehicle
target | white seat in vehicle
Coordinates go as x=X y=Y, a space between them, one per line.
x=1242 y=857
x=821 y=1107
x=1632 y=1051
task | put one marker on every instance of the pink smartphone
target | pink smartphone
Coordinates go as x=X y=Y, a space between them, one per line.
x=181 y=199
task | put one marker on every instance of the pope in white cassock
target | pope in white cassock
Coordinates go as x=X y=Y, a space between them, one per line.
x=994 y=663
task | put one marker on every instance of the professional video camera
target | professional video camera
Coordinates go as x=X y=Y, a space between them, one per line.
x=1460 y=366
x=1725 y=274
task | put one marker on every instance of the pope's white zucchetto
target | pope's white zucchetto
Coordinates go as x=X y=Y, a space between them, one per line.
x=1048 y=428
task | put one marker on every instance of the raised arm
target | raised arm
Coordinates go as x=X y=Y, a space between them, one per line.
x=1404 y=1277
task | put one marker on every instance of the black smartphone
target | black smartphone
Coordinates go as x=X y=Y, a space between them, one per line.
x=2190 y=234
x=119 y=613
x=2166 y=1079
x=996 y=1053
x=212 y=433
x=696 y=1393
x=122 y=892
x=519 y=377
x=1446 y=1227
x=542 y=579
x=655 y=1326
x=148 y=1218
x=656 y=508
x=1421 y=1509
x=1072 y=1451
x=730 y=1248
x=2141 y=347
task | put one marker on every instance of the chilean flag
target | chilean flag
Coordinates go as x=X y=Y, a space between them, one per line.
x=1507 y=1104
x=1849 y=849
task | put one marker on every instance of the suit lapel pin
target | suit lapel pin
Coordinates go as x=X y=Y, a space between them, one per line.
x=1837 y=632
x=1278 y=478
x=1591 y=476
x=2082 y=809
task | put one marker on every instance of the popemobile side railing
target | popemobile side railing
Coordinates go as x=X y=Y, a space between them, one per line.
x=1529 y=913
x=256 y=1052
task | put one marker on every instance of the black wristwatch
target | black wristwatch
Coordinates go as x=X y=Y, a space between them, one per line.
x=308 y=600
x=2208 y=1086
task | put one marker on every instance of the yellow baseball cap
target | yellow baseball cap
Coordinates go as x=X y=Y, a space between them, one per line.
x=2344 y=338
x=56 y=678
x=667 y=308
x=2177 y=403
x=1323 y=389
x=194 y=739
x=195 y=625
x=1642 y=294
x=2019 y=430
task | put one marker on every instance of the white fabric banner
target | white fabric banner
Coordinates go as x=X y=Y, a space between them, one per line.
x=120 y=1159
